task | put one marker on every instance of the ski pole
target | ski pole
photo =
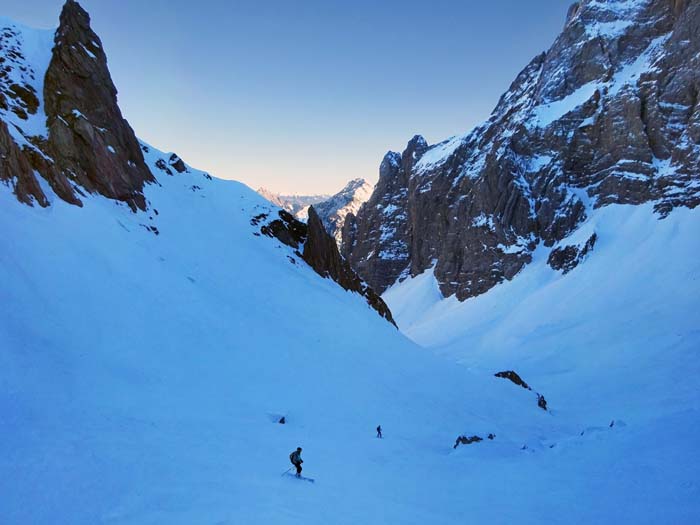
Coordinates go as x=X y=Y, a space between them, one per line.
x=283 y=473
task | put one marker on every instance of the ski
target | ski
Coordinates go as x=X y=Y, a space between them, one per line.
x=303 y=478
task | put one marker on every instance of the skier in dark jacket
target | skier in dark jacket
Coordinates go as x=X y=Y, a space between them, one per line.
x=295 y=458
x=379 y=431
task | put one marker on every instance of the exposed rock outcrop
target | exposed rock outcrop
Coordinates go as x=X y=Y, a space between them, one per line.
x=609 y=114
x=566 y=258
x=377 y=241
x=513 y=377
x=464 y=440
x=319 y=250
x=286 y=229
x=14 y=167
x=89 y=140
x=77 y=140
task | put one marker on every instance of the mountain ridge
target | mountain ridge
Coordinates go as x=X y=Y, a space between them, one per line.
x=294 y=204
x=347 y=201
x=608 y=114
x=65 y=135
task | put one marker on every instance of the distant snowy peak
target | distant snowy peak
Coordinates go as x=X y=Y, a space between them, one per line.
x=332 y=209
x=297 y=205
x=349 y=200
x=609 y=114
x=607 y=18
x=274 y=198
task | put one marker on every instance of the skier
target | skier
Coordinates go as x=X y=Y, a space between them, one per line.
x=295 y=458
x=379 y=431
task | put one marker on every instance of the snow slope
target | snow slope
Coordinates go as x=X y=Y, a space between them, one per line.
x=617 y=338
x=141 y=371
x=142 y=376
x=146 y=357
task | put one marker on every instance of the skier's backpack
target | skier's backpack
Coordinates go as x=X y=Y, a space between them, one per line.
x=291 y=458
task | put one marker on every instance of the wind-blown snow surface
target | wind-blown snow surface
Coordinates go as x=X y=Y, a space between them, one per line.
x=617 y=338
x=142 y=375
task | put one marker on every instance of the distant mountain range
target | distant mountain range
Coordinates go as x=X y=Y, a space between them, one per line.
x=294 y=204
x=332 y=209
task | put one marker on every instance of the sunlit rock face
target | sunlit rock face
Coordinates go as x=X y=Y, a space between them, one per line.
x=609 y=114
x=65 y=119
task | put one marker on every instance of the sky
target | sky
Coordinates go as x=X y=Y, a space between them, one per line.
x=301 y=97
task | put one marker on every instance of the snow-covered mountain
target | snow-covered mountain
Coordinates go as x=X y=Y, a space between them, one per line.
x=332 y=209
x=297 y=205
x=348 y=200
x=86 y=147
x=608 y=115
x=156 y=325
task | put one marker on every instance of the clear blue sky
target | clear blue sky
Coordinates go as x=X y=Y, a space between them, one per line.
x=302 y=96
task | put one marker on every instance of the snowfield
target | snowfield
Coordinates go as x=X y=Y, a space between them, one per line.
x=146 y=358
x=615 y=341
x=143 y=375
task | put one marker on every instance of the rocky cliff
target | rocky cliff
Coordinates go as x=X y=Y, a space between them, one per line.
x=315 y=246
x=64 y=121
x=608 y=115
x=62 y=133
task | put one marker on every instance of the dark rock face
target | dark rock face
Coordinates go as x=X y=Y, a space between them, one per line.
x=17 y=94
x=515 y=378
x=376 y=242
x=91 y=143
x=87 y=146
x=510 y=375
x=14 y=166
x=464 y=440
x=20 y=86
x=168 y=163
x=568 y=257
x=609 y=114
x=287 y=230
x=177 y=163
x=320 y=252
